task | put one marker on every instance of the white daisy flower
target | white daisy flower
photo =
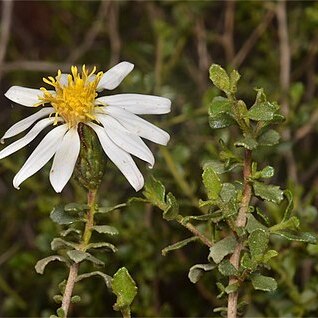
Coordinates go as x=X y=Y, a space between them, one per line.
x=75 y=100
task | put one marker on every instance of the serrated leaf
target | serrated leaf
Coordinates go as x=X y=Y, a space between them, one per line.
x=221 y=120
x=265 y=173
x=219 y=78
x=59 y=216
x=264 y=283
x=222 y=248
x=269 y=138
x=261 y=111
x=58 y=243
x=220 y=105
x=227 y=269
x=95 y=260
x=178 y=245
x=260 y=213
x=124 y=287
x=219 y=167
x=269 y=255
x=247 y=142
x=106 y=277
x=70 y=231
x=232 y=288
x=77 y=256
x=155 y=193
x=297 y=236
x=212 y=183
x=76 y=299
x=75 y=207
x=105 y=209
x=227 y=192
x=102 y=245
x=172 y=210
x=58 y=299
x=258 y=243
x=248 y=263
x=290 y=205
x=268 y=192
x=60 y=313
x=196 y=271
x=234 y=78
x=105 y=229
x=41 y=264
x=252 y=224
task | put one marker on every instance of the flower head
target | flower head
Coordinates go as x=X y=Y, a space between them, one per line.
x=75 y=100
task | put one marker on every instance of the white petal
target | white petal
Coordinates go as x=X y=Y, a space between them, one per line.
x=27 y=122
x=64 y=160
x=113 y=77
x=137 y=103
x=138 y=126
x=24 y=96
x=63 y=80
x=125 y=140
x=17 y=145
x=41 y=154
x=120 y=158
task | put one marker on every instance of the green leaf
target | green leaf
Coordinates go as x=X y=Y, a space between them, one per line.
x=232 y=288
x=107 y=278
x=76 y=299
x=212 y=183
x=155 y=193
x=59 y=216
x=265 y=173
x=77 y=256
x=220 y=78
x=234 y=78
x=268 y=192
x=221 y=120
x=264 y=283
x=228 y=192
x=178 y=245
x=247 y=142
x=59 y=243
x=124 y=287
x=75 y=207
x=70 y=231
x=220 y=105
x=105 y=229
x=102 y=245
x=219 y=167
x=269 y=255
x=290 y=205
x=297 y=236
x=95 y=260
x=60 y=313
x=248 y=263
x=41 y=264
x=222 y=248
x=268 y=138
x=260 y=213
x=196 y=271
x=261 y=111
x=253 y=225
x=104 y=209
x=227 y=269
x=258 y=243
x=171 y=212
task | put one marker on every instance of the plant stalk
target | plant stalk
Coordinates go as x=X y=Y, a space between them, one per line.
x=240 y=222
x=73 y=272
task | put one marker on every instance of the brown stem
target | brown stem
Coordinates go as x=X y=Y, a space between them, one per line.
x=197 y=233
x=240 y=222
x=67 y=296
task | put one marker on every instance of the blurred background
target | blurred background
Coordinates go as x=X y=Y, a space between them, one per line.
x=273 y=44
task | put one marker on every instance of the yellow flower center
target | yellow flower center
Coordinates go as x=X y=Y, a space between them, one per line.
x=74 y=101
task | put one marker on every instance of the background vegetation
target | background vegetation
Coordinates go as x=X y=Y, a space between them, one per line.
x=273 y=44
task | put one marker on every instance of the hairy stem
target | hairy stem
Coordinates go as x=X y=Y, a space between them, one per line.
x=240 y=222
x=67 y=296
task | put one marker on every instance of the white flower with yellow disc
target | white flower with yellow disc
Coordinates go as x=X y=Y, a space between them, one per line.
x=75 y=100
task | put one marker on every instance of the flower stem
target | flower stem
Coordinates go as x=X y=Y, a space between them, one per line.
x=73 y=272
x=240 y=222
